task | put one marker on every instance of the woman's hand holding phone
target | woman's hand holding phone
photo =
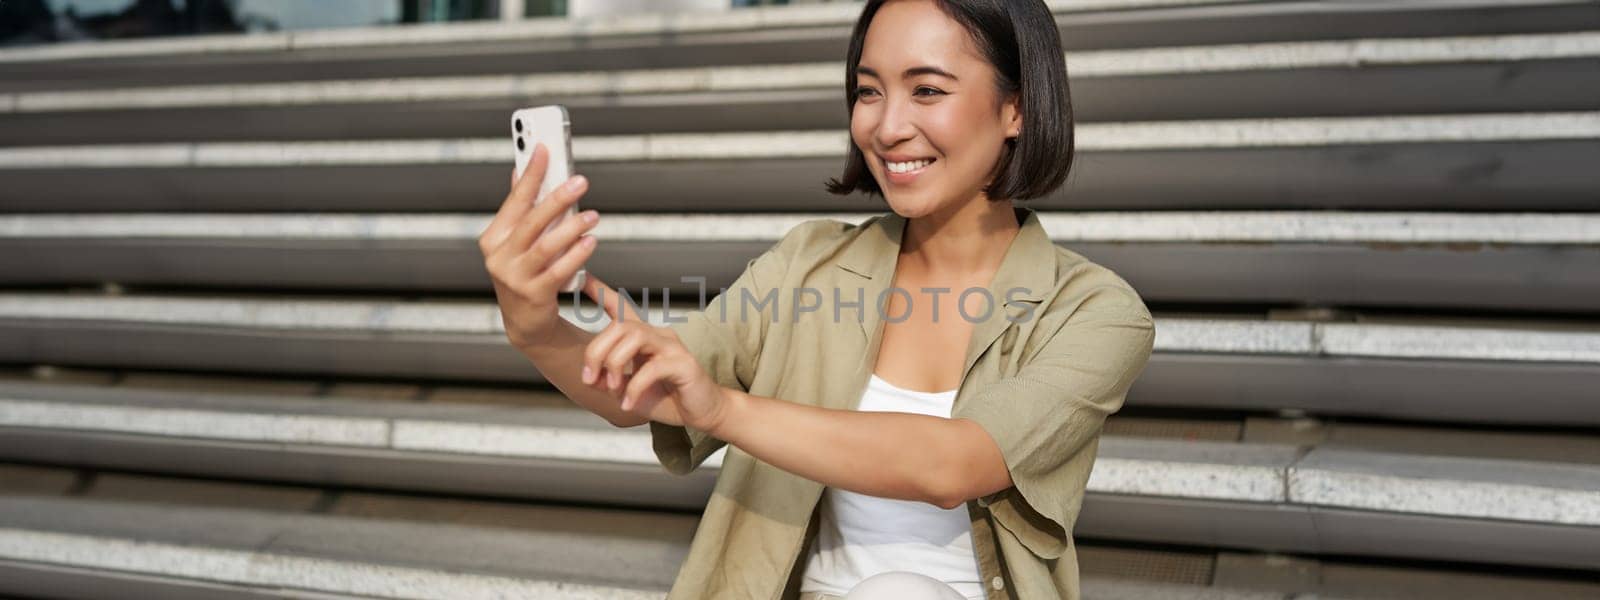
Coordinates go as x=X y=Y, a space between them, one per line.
x=529 y=269
x=645 y=368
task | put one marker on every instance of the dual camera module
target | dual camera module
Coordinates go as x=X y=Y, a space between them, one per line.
x=521 y=146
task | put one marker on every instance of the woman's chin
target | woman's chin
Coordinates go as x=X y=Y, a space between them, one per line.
x=911 y=208
x=905 y=211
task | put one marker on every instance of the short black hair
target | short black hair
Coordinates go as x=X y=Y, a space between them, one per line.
x=1021 y=41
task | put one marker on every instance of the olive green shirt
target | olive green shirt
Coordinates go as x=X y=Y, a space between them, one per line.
x=1055 y=356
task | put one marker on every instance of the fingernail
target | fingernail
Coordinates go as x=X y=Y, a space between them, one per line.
x=590 y=216
x=588 y=374
x=627 y=403
x=576 y=182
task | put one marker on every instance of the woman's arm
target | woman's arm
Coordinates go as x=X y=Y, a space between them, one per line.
x=905 y=456
x=898 y=455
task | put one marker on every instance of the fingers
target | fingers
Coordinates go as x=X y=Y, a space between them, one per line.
x=647 y=386
x=556 y=242
x=596 y=352
x=610 y=300
x=546 y=211
x=610 y=355
x=517 y=201
x=564 y=267
x=527 y=186
x=619 y=363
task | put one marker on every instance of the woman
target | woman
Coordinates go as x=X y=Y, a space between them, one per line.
x=926 y=450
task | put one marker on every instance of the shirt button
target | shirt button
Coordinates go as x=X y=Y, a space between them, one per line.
x=997 y=583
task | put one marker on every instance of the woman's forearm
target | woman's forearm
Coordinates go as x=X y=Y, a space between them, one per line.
x=883 y=454
x=559 y=356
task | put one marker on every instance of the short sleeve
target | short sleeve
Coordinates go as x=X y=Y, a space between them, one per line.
x=1047 y=418
x=727 y=343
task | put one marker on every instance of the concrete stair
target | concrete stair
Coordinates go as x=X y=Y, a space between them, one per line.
x=248 y=349
x=339 y=486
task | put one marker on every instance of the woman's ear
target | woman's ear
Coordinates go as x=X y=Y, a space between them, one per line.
x=1012 y=113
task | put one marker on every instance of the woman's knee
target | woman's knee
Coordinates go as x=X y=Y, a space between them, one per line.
x=902 y=585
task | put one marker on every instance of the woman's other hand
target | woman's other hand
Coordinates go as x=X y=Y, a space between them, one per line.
x=528 y=265
x=648 y=369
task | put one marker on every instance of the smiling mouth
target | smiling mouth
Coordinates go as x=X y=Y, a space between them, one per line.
x=922 y=164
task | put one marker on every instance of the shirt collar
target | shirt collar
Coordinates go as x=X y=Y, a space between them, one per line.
x=1029 y=267
x=1029 y=262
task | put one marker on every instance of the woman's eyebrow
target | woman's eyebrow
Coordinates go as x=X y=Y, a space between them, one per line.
x=911 y=72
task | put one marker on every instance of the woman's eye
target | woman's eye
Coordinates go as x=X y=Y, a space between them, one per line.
x=866 y=90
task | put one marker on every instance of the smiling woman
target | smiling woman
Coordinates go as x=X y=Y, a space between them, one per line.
x=917 y=453
x=957 y=108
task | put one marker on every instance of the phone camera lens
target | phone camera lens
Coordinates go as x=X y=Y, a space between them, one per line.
x=520 y=145
x=519 y=125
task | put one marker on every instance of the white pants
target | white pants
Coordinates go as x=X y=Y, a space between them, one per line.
x=894 y=585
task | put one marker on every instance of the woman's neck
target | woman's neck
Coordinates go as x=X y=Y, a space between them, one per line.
x=970 y=240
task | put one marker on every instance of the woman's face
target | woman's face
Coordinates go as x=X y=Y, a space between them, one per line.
x=906 y=111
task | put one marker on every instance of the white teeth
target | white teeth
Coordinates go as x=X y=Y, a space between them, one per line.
x=907 y=166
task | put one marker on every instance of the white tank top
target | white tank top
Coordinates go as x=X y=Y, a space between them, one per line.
x=860 y=536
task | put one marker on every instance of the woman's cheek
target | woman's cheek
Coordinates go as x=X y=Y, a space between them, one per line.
x=942 y=125
x=861 y=134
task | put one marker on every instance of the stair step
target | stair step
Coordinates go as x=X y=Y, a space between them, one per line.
x=745 y=36
x=360 y=545
x=127 y=534
x=1460 y=74
x=1395 y=370
x=1537 y=162
x=1454 y=260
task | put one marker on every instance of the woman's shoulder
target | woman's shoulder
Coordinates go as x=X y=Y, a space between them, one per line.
x=822 y=230
x=1083 y=285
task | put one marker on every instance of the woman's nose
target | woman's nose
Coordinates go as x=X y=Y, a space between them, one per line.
x=895 y=124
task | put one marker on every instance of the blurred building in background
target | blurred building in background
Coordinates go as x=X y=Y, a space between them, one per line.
x=25 y=22
x=248 y=347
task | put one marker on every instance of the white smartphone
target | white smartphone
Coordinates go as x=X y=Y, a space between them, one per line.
x=550 y=126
